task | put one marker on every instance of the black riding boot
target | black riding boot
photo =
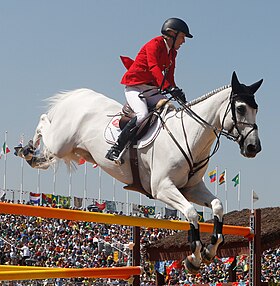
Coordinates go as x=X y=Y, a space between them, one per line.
x=126 y=135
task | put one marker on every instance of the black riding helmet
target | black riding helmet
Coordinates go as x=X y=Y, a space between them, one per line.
x=177 y=25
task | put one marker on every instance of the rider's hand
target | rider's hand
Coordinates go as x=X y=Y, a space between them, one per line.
x=178 y=93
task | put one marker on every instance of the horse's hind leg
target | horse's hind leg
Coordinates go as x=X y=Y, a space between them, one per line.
x=28 y=152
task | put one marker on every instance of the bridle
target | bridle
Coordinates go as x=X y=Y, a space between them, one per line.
x=247 y=98
x=240 y=138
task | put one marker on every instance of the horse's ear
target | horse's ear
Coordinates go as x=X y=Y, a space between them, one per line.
x=235 y=84
x=255 y=86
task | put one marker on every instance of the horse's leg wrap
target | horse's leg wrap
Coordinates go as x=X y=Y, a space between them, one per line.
x=217 y=239
x=218 y=229
x=193 y=261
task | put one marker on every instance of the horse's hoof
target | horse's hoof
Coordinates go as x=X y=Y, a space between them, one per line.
x=190 y=266
x=206 y=259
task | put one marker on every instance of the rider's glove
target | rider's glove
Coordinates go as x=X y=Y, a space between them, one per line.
x=177 y=93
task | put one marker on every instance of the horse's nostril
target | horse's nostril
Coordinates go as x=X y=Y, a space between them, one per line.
x=251 y=148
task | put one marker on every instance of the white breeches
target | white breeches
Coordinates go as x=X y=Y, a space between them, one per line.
x=140 y=104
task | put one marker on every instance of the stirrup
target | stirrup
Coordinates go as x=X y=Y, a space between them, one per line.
x=114 y=153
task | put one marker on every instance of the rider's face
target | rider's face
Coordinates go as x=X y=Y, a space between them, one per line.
x=180 y=40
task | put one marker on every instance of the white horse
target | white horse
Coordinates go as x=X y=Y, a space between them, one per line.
x=171 y=168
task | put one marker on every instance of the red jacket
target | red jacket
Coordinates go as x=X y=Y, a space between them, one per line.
x=149 y=65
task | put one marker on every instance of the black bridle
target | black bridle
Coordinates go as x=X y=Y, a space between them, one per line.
x=249 y=99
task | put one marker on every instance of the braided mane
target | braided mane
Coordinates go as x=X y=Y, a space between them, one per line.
x=207 y=95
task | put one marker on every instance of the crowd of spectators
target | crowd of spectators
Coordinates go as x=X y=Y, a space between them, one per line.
x=45 y=242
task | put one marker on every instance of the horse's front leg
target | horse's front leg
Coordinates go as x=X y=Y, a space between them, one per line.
x=217 y=238
x=167 y=192
x=200 y=195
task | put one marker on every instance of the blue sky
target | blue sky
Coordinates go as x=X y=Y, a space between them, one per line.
x=52 y=46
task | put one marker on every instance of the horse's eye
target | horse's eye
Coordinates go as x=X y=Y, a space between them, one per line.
x=241 y=109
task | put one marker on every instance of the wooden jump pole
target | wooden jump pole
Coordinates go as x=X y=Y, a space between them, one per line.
x=29 y=273
x=47 y=212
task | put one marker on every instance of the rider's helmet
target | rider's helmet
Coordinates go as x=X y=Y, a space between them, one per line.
x=177 y=25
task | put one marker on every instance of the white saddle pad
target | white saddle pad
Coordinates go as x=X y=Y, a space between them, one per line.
x=112 y=131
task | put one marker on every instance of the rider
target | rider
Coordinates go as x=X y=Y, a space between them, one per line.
x=151 y=72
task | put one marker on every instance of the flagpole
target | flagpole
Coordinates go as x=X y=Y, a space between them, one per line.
x=99 y=189
x=140 y=199
x=5 y=161
x=226 y=190
x=70 y=181
x=216 y=182
x=114 y=189
x=238 y=190
x=85 y=185
x=127 y=203
x=54 y=177
x=21 y=184
x=38 y=181
x=252 y=201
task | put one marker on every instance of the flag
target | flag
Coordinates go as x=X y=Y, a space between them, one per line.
x=34 y=198
x=64 y=201
x=111 y=206
x=236 y=180
x=255 y=197
x=212 y=175
x=228 y=261
x=222 y=178
x=174 y=265
x=78 y=202
x=2 y=195
x=170 y=212
x=54 y=200
x=135 y=209
x=147 y=210
x=160 y=267
x=102 y=206
x=46 y=199
x=6 y=149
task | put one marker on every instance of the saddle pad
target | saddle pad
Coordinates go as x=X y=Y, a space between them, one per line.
x=112 y=132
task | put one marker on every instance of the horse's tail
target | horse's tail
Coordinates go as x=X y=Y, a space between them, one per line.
x=54 y=100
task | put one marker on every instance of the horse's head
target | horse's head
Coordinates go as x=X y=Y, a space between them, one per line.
x=241 y=120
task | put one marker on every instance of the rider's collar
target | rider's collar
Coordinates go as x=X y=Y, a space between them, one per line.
x=167 y=47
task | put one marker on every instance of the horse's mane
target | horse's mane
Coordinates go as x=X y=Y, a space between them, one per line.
x=207 y=95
